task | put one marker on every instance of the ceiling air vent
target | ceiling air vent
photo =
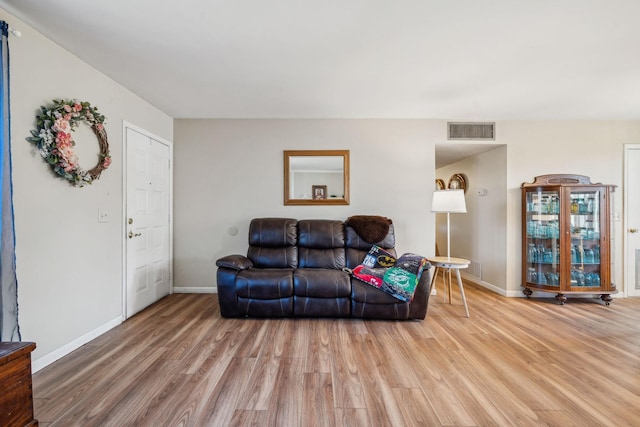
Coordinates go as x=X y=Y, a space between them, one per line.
x=481 y=131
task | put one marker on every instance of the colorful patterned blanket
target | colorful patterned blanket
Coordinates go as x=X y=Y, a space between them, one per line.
x=397 y=277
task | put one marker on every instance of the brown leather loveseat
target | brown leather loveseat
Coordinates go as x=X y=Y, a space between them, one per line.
x=295 y=269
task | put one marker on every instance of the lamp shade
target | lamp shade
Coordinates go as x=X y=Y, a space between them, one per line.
x=451 y=201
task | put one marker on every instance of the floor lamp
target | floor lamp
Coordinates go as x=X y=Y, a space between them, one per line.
x=448 y=201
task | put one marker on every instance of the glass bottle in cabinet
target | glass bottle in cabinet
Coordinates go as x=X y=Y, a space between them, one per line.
x=566 y=237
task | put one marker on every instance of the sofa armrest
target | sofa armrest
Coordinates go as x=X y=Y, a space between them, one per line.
x=235 y=262
x=420 y=303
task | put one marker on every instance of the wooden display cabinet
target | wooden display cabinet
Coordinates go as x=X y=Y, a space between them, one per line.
x=16 y=392
x=566 y=237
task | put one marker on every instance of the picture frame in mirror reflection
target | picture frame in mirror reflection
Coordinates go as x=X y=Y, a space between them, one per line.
x=319 y=192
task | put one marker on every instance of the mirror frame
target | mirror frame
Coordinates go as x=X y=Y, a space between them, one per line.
x=314 y=153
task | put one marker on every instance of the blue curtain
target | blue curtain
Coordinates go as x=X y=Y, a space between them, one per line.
x=9 y=330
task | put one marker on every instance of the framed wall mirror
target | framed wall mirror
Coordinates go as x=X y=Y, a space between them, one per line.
x=316 y=177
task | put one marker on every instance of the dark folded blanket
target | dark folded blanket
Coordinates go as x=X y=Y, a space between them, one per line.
x=370 y=228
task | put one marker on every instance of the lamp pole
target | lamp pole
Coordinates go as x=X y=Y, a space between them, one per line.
x=449 y=235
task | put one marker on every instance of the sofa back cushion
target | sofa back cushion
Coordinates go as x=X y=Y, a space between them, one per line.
x=357 y=248
x=272 y=243
x=321 y=244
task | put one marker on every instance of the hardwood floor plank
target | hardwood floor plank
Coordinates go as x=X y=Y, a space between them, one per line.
x=261 y=331
x=317 y=400
x=508 y=368
x=93 y=409
x=435 y=377
x=242 y=418
x=507 y=395
x=564 y=419
x=50 y=380
x=286 y=403
x=160 y=406
x=277 y=340
x=319 y=353
x=153 y=388
x=354 y=417
x=396 y=362
x=204 y=379
x=261 y=385
x=69 y=387
x=415 y=407
x=378 y=398
x=211 y=351
x=580 y=386
x=219 y=406
x=345 y=369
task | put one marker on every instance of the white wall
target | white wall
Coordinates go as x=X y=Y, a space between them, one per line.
x=69 y=266
x=230 y=171
x=480 y=234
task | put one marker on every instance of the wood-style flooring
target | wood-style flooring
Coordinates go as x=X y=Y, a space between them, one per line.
x=514 y=362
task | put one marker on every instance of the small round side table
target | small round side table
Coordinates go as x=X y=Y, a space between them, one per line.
x=444 y=264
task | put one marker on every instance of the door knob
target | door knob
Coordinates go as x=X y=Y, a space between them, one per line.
x=633 y=230
x=131 y=235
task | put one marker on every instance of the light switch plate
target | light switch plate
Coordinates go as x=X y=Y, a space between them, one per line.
x=103 y=215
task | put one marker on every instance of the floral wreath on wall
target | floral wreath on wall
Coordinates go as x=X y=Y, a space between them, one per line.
x=52 y=137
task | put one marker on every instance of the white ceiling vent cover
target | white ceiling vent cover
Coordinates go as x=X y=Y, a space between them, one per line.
x=478 y=131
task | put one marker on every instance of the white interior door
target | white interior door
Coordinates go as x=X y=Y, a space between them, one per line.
x=632 y=219
x=148 y=222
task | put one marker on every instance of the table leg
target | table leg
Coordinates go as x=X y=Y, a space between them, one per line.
x=433 y=280
x=464 y=300
x=444 y=285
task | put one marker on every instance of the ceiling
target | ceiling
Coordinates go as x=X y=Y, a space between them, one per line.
x=436 y=59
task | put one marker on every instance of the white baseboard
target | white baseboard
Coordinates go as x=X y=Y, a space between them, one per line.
x=194 y=290
x=487 y=285
x=537 y=294
x=60 y=352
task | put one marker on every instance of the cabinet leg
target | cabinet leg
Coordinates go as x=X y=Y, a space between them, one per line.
x=606 y=298
x=528 y=292
x=561 y=298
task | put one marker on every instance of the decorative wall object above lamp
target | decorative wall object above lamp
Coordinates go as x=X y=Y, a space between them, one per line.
x=448 y=201
x=458 y=182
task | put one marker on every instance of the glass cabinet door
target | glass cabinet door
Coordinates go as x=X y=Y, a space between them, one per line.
x=543 y=238
x=584 y=207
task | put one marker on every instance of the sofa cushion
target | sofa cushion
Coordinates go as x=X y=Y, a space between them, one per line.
x=320 y=233
x=272 y=283
x=321 y=307
x=321 y=293
x=273 y=232
x=321 y=258
x=281 y=307
x=321 y=283
x=272 y=243
x=321 y=244
x=273 y=257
